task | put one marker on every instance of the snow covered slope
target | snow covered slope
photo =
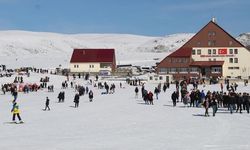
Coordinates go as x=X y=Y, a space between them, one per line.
x=23 y=48
x=244 y=38
x=117 y=121
x=32 y=48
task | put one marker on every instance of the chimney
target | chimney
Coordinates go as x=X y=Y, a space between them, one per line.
x=214 y=19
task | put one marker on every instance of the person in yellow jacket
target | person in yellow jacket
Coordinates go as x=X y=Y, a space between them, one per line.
x=16 y=112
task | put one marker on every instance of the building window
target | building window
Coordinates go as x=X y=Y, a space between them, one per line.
x=163 y=70
x=173 y=70
x=235 y=60
x=160 y=78
x=180 y=60
x=216 y=69
x=183 y=70
x=212 y=43
x=209 y=51
x=230 y=43
x=231 y=60
x=150 y=78
x=193 y=69
x=214 y=51
x=211 y=33
x=235 y=51
x=198 y=52
x=193 y=52
x=233 y=68
x=174 y=60
x=91 y=66
x=76 y=66
x=209 y=59
x=214 y=59
x=231 y=51
x=199 y=43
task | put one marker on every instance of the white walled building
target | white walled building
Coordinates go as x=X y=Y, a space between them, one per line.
x=212 y=52
x=92 y=60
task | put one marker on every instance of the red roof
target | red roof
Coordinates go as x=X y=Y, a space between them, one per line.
x=181 y=52
x=207 y=63
x=93 y=55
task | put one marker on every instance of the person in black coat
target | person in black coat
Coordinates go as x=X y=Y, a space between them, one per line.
x=136 y=92
x=174 y=98
x=47 y=104
x=76 y=100
x=247 y=101
x=239 y=102
x=91 y=95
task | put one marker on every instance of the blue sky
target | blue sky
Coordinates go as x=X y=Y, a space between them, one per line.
x=143 y=17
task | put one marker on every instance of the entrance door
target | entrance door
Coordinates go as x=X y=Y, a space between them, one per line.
x=205 y=71
x=167 y=78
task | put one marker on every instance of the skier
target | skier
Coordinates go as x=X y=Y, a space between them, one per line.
x=91 y=96
x=76 y=100
x=15 y=111
x=47 y=104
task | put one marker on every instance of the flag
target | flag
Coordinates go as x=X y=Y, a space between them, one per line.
x=222 y=51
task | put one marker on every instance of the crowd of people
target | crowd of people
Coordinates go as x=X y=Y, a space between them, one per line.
x=230 y=99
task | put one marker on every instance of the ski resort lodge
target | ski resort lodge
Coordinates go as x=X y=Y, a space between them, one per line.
x=212 y=52
x=93 y=60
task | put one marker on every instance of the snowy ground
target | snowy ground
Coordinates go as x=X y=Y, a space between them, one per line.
x=117 y=121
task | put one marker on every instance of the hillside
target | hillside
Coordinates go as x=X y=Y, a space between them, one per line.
x=40 y=49
x=24 y=48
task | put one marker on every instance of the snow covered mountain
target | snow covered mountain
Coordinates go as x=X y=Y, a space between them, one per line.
x=22 y=48
x=244 y=38
x=40 y=49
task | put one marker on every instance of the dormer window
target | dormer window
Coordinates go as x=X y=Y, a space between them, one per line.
x=211 y=33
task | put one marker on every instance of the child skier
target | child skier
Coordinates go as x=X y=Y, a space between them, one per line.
x=16 y=112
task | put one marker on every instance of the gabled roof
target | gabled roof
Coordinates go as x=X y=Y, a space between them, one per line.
x=182 y=52
x=222 y=39
x=93 y=55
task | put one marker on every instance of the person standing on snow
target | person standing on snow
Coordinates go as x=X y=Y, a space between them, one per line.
x=156 y=91
x=174 y=98
x=91 y=95
x=150 y=98
x=76 y=100
x=16 y=112
x=47 y=104
x=136 y=92
x=206 y=106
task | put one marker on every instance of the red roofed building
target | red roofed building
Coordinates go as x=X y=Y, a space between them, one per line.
x=212 y=52
x=93 y=60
